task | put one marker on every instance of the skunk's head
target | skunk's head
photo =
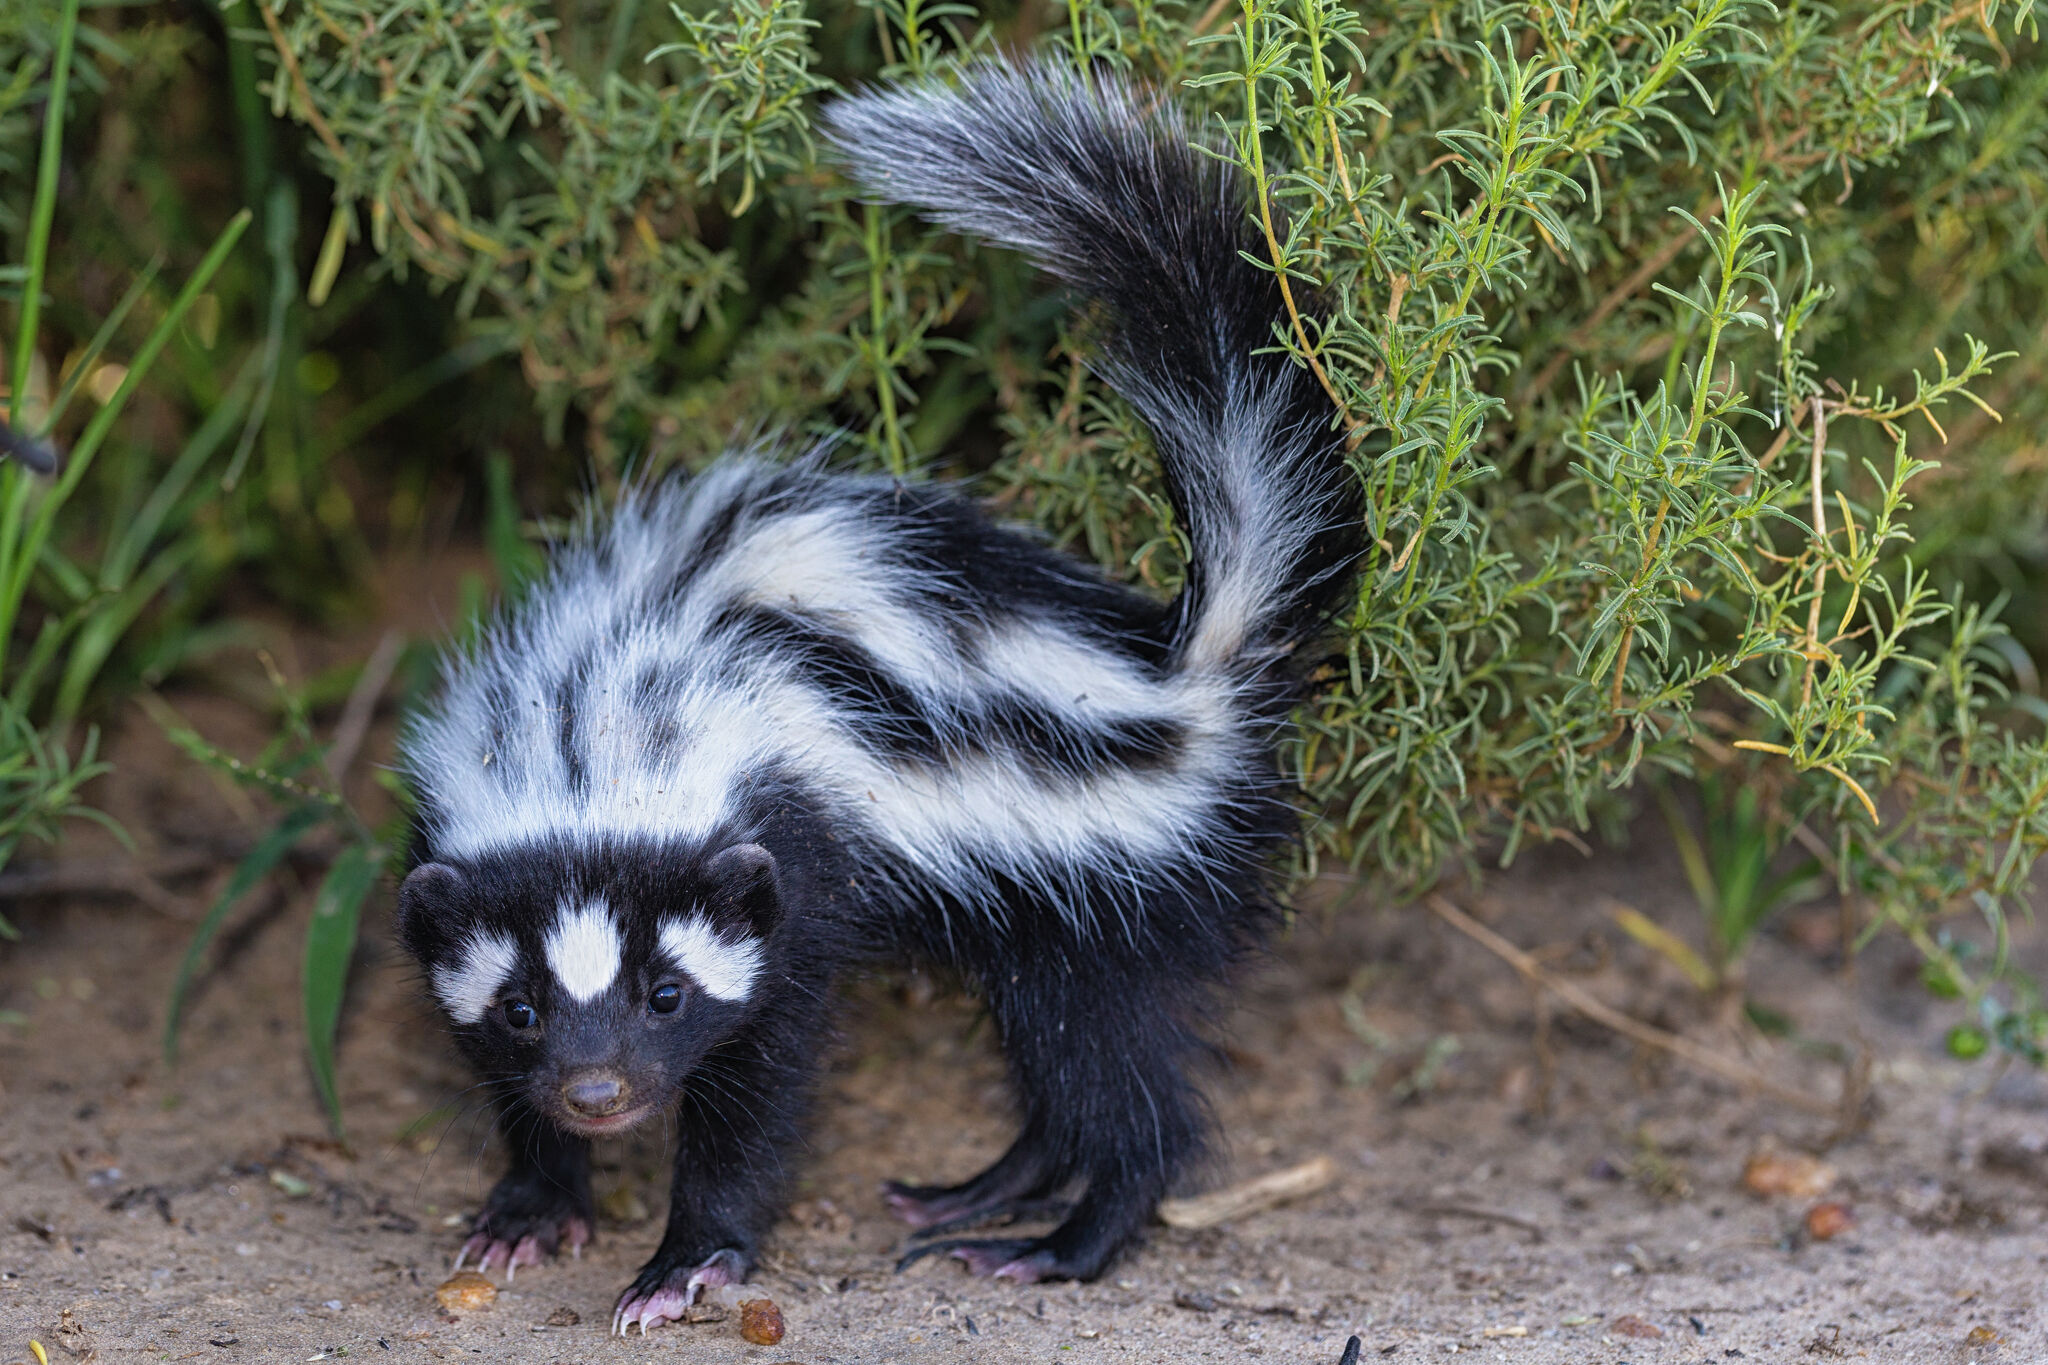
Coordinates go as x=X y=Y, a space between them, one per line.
x=591 y=986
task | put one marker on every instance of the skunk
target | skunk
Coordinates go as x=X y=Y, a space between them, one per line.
x=773 y=722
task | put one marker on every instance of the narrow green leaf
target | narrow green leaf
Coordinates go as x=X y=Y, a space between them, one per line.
x=253 y=868
x=330 y=943
x=43 y=212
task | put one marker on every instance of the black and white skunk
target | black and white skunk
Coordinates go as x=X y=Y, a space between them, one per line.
x=772 y=722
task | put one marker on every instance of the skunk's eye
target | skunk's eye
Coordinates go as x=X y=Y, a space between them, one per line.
x=520 y=1015
x=666 y=999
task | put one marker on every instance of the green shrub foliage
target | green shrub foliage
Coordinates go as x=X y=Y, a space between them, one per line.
x=1691 y=356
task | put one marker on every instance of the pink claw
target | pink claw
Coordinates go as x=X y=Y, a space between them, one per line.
x=912 y=1210
x=526 y=1253
x=474 y=1246
x=663 y=1305
x=979 y=1261
x=710 y=1275
x=666 y=1304
x=991 y=1265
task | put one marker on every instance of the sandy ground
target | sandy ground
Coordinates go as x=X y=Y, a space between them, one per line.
x=203 y=1215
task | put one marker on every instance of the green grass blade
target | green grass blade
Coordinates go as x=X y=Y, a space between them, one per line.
x=330 y=943
x=1690 y=855
x=253 y=868
x=44 y=213
x=104 y=626
x=517 y=559
x=402 y=393
x=124 y=554
x=102 y=421
x=280 y=227
x=17 y=561
x=83 y=367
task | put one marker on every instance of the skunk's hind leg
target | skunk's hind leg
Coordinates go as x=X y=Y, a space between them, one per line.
x=1101 y=1062
x=1016 y=1185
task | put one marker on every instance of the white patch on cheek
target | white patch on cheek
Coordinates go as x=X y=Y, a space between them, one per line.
x=725 y=968
x=467 y=987
x=584 y=949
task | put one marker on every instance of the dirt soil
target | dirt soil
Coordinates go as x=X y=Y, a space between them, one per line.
x=1601 y=1217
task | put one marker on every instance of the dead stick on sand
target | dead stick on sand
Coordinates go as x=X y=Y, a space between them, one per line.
x=1208 y=1210
x=1706 y=1059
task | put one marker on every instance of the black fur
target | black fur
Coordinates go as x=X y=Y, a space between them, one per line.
x=1099 y=971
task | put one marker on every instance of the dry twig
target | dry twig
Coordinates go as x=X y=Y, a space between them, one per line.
x=1685 y=1049
x=1276 y=1187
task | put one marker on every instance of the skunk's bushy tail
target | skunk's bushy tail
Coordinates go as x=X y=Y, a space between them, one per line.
x=1098 y=182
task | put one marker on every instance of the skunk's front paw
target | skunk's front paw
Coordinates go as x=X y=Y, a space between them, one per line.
x=664 y=1290
x=526 y=1220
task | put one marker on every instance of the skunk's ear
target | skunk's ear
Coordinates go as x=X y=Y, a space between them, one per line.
x=744 y=889
x=427 y=900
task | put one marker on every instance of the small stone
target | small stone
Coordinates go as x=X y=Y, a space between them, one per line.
x=293 y=1187
x=465 y=1292
x=1788 y=1173
x=760 y=1322
x=1195 y=1303
x=1828 y=1220
x=704 y=1310
x=1633 y=1326
x=564 y=1317
x=75 y=1337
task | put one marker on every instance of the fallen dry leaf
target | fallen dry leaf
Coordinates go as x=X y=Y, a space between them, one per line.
x=465 y=1291
x=76 y=1339
x=1828 y=1220
x=1787 y=1173
x=1209 y=1210
x=1633 y=1326
x=760 y=1322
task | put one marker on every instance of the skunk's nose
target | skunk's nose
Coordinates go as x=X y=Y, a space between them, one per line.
x=595 y=1093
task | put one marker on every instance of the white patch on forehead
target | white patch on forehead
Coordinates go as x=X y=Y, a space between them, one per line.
x=584 y=949
x=724 y=967
x=467 y=987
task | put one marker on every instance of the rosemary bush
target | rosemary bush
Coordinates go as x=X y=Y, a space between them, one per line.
x=1693 y=358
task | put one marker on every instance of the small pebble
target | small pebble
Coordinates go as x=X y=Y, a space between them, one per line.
x=760 y=1322
x=1791 y=1173
x=293 y=1187
x=1829 y=1220
x=465 y=1292
x=1633 y=1326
